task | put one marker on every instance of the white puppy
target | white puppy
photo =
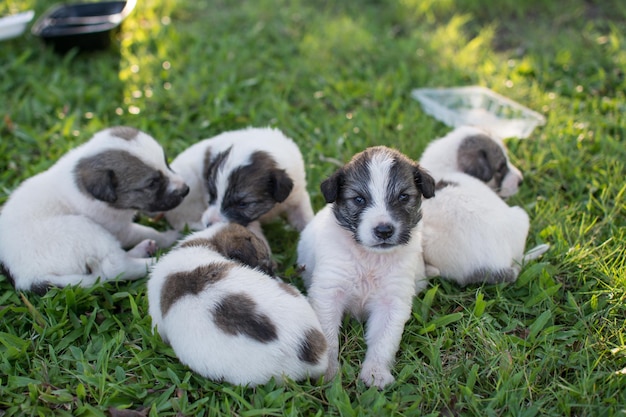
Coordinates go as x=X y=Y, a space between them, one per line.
x=242 y=176
x=476 y=152
x=228 y=321
x=470 y=234
x=68 y=225
x=362 y=254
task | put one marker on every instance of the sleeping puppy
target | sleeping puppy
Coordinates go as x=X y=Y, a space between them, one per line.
x=474 y=151
x=225 y=318
x=242 y=176
x=470 y=234
x=362 y=254
x=68 y=225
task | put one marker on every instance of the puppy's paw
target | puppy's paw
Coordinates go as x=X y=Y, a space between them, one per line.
x=432 y=271
x=168 y=238
x=332 y=369
x=144 y=249
x=376 y=375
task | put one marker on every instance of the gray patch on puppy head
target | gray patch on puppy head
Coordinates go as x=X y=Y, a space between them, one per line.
x=124 y=132
x=312 y=347
x=237 y=314
x=482 y=157
x=254 y=189
x=491 y=276
x=125 y=182
x=238 y=243
x=180 y=284
x=443 y=184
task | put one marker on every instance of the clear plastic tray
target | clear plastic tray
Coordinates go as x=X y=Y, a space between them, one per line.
x=14 y=25
x=479 y=106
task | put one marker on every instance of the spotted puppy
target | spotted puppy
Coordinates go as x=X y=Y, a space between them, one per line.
x=228 y=320
x=470 y=234
x=477 y=153
x=361 y=254
x=242 y=176
x=68 y=225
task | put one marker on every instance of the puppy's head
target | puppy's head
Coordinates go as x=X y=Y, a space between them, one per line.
x=127 y=169
x=377 y=196
x=235 y=242
x=485 y=158
x=241 y=191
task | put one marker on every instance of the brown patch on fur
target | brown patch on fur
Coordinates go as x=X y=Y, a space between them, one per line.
x=124 y=132
x=236 y=314
x=312 y=347
x=289 y=289
x=238 y=243
x=443 y=184
x=199 y=242
x=180 y=284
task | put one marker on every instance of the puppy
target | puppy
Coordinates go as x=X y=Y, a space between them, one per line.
x=68 y=225
x=470 y=234
x=242 y=176
x=362 y=254
x=228 y=320
x=474 y=151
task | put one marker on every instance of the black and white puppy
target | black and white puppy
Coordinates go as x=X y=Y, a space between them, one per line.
x=470 y=234
x=225 y=318
x=362 y=254
x=68 y=225
x=242 y=176
x=475 y=152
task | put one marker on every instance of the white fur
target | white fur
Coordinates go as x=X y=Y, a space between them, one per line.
x=439 y=158
x=373 y=284
x=199 y=343
x=50 y=230
x=195 y=211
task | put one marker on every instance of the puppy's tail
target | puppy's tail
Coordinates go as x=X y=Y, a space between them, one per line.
x=535 y=253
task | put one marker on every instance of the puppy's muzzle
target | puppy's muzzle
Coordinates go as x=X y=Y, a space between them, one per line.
x=384 y=231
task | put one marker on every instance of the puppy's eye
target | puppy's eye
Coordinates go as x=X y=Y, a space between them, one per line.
x=154 y=182
x=242 y=204
x=403 y=198
x=359 y=201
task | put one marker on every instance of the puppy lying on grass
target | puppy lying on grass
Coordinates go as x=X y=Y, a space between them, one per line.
x=362 y=254
x=212 y=300
x=69 y=224
x=471 y=235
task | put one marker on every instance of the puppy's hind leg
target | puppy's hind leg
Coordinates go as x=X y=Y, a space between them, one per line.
x=144 y=249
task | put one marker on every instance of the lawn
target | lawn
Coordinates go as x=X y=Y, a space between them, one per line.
x=336 y=77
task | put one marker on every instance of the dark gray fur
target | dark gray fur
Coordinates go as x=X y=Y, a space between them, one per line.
x=482 y=158
x=237 y=314
x=125 y=182
x=124 y=132
x=312 y=347
x=253 y=189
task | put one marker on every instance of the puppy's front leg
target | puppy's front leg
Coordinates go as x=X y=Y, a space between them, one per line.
x=136 y=233
x=328 y=304
x=385 y=325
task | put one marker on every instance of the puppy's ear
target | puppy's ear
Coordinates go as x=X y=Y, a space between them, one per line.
x=100 y=183
x=330 y=186
x=477 y=165
x=424 y=182
x=280 y=185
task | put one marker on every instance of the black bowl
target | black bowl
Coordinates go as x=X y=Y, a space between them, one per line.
x=86 y=26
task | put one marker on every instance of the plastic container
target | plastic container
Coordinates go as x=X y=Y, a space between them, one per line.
x=479 y=106
x=14 y=25
x=86 y=26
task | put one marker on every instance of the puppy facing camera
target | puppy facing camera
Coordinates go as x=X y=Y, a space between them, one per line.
x=243 y=176
x=211 y=299
x=362 y=254
x=471 y=235
x=69 y=225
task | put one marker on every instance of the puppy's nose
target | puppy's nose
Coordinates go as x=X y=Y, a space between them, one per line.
x=384 y=231
x=184 y=190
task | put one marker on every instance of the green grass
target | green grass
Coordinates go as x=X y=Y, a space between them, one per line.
x=336 y=76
